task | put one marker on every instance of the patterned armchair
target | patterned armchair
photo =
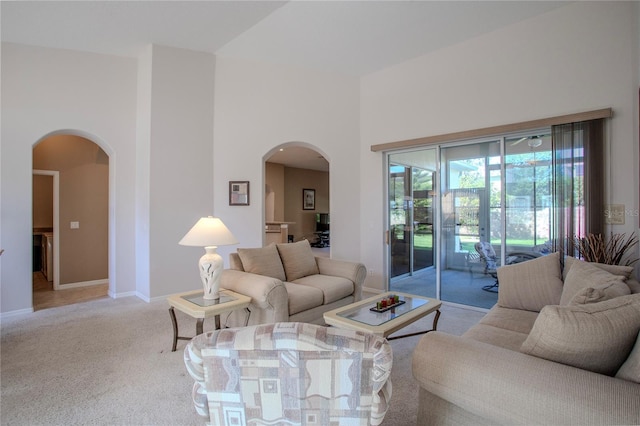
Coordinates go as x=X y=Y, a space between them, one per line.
x=290 y=373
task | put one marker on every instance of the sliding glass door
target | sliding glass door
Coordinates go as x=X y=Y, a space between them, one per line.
x=411 y=215
x=458 y=212
x=471 y=193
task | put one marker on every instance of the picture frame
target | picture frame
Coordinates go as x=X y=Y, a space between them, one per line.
x=308 y=199
x=239 y=193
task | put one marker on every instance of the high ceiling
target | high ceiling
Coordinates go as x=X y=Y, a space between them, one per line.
x=348 y=37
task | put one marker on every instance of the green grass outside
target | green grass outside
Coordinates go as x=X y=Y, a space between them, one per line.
x=426 y=241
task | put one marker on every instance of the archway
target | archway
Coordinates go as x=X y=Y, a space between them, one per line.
x=79 y=222
x=296 y=194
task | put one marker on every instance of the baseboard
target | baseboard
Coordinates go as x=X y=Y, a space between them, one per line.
x=10 y=314
x=121 y=295
x=373 y=290
x=468 y=307
x=83 y=284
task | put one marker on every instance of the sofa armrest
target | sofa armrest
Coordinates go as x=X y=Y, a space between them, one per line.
x=354 y=271
x=508 y=387
x=269 y=297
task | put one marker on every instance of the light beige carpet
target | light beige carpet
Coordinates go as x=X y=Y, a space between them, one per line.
x=109 y=362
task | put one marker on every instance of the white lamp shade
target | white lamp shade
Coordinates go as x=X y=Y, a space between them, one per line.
x=208 y=231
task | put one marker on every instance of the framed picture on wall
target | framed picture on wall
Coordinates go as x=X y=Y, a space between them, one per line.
x=239 y=193
x=308 y=199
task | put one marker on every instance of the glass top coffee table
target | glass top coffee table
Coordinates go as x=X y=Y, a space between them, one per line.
x=383 y=321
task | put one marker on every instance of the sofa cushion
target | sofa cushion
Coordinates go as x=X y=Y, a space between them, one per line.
x=531 y=285
x=597 y=337
x=517 y=320
x=303 y=297
x=494 y=336
x=630 y=370
x=504 y=327
x=333 y=288
x=633 y=285
x=262 y=261
x=298 y=259
x=612 y=269
x=583 y=275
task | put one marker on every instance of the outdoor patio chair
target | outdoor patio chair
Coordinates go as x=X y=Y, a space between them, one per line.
x=490 y=261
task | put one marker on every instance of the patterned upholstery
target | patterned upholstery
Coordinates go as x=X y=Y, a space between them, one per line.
x=488 y=255
x=290 y=373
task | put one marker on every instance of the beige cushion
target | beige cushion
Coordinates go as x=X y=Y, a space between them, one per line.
x=612 y=269
x=298 y=260
x=333 y=288
x=597 y=337
x=630 y=370
x=634 y=285
x=262 y=261
x=584 y=275
x=531 y=285
x=303 y=297
x=600 y=293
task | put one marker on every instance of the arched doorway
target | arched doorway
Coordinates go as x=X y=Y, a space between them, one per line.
x=297 y=195
x=72 y=220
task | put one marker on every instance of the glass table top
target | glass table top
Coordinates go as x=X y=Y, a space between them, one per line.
x=201 y=301
x=365 y=315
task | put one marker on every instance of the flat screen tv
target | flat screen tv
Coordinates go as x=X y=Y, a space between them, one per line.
x=322 y=222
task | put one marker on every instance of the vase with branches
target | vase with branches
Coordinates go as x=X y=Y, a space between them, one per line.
x=612 y=251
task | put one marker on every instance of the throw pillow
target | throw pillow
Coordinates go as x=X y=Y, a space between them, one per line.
x=262 y=261
x=585 y=275
x=597 y=337
x=298 y=260
x=630 y=370
x=531 y=285
x=612 y=269
x=600 y=292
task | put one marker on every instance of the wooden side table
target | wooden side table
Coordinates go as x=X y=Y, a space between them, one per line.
x=193 y=304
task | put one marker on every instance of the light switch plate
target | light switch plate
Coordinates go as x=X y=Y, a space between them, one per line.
x=75 y=225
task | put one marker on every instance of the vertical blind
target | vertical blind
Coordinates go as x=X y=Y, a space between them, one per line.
x=578 y=182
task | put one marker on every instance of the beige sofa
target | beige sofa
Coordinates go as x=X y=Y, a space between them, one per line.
x=561 y=347
x=287 y=283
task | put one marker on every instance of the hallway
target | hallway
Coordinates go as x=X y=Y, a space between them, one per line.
x=45 y=297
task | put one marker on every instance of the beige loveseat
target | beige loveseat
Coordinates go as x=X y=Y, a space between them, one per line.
x=287 y=283
x=559 y=348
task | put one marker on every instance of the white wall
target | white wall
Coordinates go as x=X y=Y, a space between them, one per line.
x=581 y=57
x=48 y=90
x=260 y=106
x=180 y=171
x=156 y=126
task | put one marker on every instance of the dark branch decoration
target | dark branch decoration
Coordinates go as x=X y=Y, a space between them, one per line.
x=594 y=248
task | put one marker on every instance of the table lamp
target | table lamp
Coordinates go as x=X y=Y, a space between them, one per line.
x=209 y=232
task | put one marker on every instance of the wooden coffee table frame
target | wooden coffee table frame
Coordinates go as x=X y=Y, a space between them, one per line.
x=177 y=301
x=389 y=327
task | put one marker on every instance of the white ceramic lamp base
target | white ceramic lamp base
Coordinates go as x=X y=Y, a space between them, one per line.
x=211 y=266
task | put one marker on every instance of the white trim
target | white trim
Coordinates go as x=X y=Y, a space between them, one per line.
x=467 y=307
x=373 y=290
x=142 y=296
x=56 y=222
x=121 y=295
x=83 y=284
x=11 y=314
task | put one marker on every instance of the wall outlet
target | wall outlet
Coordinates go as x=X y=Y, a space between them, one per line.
x=75 y=225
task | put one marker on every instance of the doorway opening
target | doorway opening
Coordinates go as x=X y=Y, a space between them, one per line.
x=70 y=221
x=297 y=196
